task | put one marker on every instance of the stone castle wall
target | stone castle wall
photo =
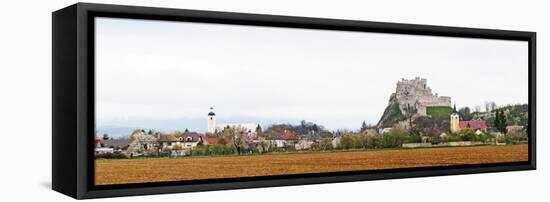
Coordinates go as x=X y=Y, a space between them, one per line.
x=415 y=92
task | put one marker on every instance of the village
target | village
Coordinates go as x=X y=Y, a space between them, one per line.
x=414 y=118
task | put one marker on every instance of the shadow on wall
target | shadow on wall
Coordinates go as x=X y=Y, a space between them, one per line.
x=46 y=184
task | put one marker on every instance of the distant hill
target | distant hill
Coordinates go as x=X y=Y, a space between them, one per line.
x=114 y=131
x=123 y=129
x=515 y=115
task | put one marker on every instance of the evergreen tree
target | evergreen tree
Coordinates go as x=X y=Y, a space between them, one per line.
x=303 y=123
x=465 y=113
x=315 y=128
x=500 y=121
x=364 y=127
x=497 y=119
x=258 y=130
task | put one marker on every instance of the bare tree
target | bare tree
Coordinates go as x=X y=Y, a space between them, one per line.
x=236 y=136
x=477 y=108
x=177 y=133
x=410 y=111
x=263 y=144
x=493 y=106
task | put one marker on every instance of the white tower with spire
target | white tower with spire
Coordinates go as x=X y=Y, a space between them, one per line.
x=211 y=121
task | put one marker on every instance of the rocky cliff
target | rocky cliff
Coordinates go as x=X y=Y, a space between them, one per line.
x=392 y=114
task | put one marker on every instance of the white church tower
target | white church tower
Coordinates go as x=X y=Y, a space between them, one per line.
x=211 y=121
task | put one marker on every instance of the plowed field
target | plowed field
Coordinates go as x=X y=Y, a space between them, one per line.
x=193 y=168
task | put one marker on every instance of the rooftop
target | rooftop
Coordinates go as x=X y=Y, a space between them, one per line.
x=474 y=124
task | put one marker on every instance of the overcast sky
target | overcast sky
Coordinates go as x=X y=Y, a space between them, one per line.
x=162 y=72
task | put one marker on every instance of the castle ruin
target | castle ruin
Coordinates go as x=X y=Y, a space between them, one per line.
x=416 y=93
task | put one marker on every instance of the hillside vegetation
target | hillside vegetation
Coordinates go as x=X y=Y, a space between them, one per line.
x=515 y=115
x=439 y=112
x=392 y=114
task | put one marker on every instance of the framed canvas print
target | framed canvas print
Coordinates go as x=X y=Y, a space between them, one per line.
x=157 y=100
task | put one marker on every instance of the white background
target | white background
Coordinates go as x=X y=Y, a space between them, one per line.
x=25 y=102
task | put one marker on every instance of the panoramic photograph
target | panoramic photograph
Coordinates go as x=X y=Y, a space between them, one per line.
x=180 y=101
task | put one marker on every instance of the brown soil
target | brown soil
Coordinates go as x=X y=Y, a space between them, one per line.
x=193 y=168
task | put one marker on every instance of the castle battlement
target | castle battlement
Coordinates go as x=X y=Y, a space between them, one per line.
x=415 y=92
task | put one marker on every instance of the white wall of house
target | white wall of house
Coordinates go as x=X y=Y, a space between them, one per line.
x=303 y=145
x=190 y=144
x=278 y=143
x=103 y=150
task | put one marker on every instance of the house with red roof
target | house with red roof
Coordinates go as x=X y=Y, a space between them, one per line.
x=288 y=135
x=473 y=124
x=191 y=139
x=118 y=144
x=286 y=138
x=514 y=128
x=211 y=140
x=167 y=141
x=478 y=125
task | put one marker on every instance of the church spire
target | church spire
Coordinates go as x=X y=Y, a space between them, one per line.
x=211 y=113
x=211 y=121
x=454 y=108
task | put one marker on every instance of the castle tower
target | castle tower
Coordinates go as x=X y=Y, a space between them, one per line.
x=211 y=121
x=455 y=119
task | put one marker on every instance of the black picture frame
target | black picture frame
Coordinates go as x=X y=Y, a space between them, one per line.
x=73 y=99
